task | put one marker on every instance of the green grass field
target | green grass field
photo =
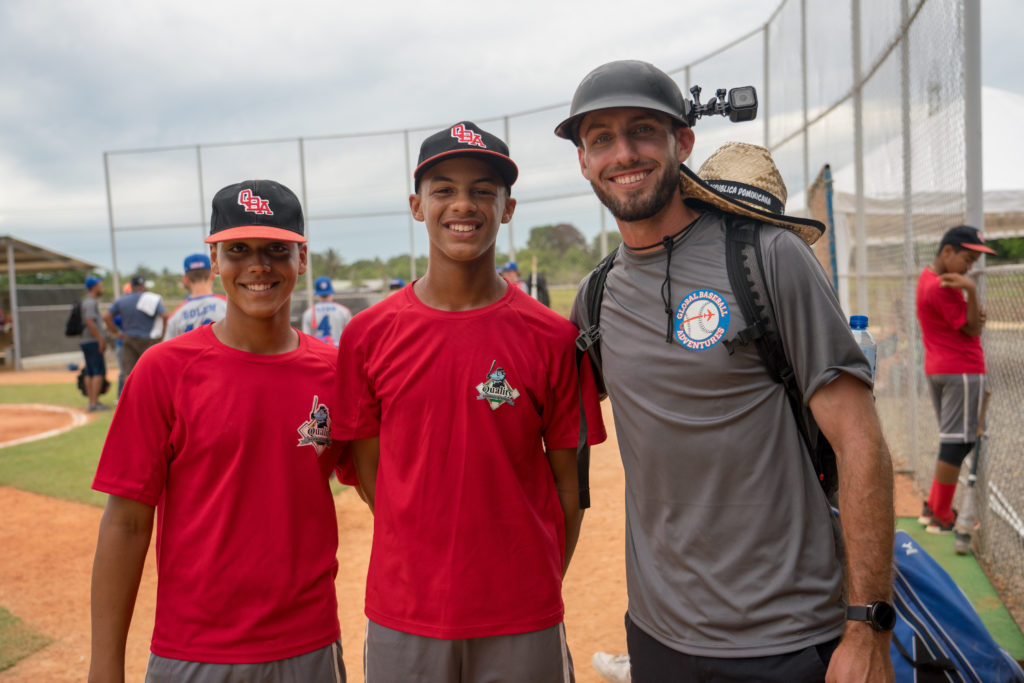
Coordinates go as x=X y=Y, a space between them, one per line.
x=561 y=300
x=61 y=466
x=16 y=641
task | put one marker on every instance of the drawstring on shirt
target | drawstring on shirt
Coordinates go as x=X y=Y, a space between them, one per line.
x=666 y=287
x=667 y=243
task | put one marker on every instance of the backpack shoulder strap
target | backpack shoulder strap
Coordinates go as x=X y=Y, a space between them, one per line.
x=588 y=310
x=589 y=297
x=746 y=277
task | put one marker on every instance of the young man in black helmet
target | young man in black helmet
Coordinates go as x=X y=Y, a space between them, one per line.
x=733 y=567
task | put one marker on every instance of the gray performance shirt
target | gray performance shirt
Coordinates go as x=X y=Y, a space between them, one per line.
x=731 y=550
x=90 y=310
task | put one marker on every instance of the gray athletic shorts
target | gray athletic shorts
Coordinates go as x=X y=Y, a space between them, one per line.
x=391 y=656
x=957 y=401
x=319 y=666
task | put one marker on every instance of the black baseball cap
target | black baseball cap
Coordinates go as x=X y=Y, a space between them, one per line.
x=465 y=139
x=256 y=209
x=967 y=237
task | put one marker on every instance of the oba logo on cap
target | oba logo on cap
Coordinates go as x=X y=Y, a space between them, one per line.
x=253 y=203
x=467 y=136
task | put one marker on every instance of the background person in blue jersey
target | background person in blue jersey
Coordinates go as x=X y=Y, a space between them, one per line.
x=139 y=311
x=202 y=306
x=326 y=318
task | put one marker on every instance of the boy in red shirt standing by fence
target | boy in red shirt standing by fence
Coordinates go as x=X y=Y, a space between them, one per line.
x=952 y=318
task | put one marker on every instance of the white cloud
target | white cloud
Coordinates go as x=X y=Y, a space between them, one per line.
x=83 y=78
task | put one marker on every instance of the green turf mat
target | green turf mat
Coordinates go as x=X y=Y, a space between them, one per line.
x=967 y=573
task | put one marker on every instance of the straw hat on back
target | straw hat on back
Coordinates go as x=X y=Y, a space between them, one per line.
x=742 y=179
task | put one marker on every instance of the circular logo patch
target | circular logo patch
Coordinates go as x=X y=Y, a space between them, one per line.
x=702 y=319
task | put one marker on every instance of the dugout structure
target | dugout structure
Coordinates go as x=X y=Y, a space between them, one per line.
x=36 y=314
x=886 y=93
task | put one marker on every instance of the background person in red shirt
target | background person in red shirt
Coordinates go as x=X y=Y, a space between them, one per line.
x=951 y=316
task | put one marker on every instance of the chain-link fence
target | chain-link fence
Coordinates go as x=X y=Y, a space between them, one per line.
x=876 y=99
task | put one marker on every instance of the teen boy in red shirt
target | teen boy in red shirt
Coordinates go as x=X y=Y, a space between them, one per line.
x=463 y=398
x=225 y=433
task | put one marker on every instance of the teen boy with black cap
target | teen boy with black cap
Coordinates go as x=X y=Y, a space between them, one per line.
x=952 y=318
x=731 y=562
x=225 y=432
x=465 y=442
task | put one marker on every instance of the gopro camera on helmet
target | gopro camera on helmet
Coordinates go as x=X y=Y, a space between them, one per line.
x=632 y=83
x=739 y=104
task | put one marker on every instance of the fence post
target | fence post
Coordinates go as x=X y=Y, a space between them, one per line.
x=202 y=199
x=110 y=222
x=412 y=224
x=909 y=360
x=858 y=162
x=310 y=299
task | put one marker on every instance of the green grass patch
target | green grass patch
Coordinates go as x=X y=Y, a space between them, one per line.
x=54 y=394
x=561 y=300
x=17 y=641
x=61 y=466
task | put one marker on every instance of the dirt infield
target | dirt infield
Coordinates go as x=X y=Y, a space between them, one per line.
x=48 y=545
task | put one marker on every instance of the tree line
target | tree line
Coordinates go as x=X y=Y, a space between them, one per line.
x=563 y=256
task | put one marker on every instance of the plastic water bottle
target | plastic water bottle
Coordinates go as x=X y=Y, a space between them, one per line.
x=859 y=328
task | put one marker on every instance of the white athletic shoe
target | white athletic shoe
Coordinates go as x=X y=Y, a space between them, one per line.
x=613 y=668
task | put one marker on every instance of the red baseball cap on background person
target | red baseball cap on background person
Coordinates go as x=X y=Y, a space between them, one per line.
x=256 y=209
x=967 y=237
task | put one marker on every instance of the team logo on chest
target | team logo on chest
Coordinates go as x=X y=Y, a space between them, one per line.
x=316 y=431
x=496 y=390
x=701 y=320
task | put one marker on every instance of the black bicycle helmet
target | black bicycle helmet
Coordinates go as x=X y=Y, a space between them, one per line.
x=625 y=83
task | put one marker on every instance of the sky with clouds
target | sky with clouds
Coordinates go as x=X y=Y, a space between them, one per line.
x=78 y=79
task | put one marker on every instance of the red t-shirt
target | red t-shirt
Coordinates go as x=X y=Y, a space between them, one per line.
x=234 y=450
x=469 y=534
x=941 y=312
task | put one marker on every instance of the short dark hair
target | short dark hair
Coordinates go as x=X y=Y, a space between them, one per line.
x=198 y=274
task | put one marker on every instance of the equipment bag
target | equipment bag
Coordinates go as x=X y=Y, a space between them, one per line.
x=74 y=325
x=938 y=635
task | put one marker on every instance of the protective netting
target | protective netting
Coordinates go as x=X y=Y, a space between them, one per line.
x=879 y=82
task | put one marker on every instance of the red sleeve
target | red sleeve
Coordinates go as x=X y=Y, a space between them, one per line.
x=345 y=470
x=562 y=418
x=951 y=306
x=358 y=415
x=138 y=446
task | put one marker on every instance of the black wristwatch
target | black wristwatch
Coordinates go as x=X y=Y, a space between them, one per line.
x=880 y=614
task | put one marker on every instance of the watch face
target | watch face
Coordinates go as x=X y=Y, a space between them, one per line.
x=883 y=616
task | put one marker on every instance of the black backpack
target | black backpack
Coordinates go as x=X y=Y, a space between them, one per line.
x=746 y=276
x=74 y=325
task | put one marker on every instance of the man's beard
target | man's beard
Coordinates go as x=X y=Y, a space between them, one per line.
x=641 y=207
